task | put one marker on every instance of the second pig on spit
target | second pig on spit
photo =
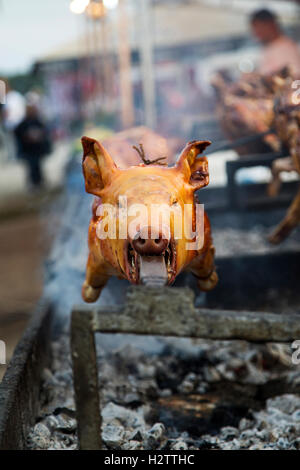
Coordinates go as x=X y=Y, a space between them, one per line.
x=147 y=225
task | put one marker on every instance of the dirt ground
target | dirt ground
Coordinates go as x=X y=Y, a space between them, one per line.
x=24 y=243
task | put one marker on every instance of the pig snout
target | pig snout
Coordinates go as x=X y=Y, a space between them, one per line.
x=147 y=244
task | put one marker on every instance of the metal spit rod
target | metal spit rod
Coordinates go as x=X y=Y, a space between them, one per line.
x=225 y=145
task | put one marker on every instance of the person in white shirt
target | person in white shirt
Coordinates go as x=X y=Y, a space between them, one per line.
x=14 y=109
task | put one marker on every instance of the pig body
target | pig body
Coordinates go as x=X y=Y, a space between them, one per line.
x=148 y=252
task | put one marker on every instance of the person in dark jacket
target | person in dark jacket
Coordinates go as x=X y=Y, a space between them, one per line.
x=33 y=143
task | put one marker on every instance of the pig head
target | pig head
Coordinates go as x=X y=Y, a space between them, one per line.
x=146 y=249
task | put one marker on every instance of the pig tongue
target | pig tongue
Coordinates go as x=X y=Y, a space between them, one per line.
x=153 y=271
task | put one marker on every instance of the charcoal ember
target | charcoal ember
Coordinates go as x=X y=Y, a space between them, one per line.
x=66 y=441
x=296 y=443
x=148 y=388
x=263 y=435
x=234 y=369
x=65 y=423
x=155 y=435
x=188 y=384
x=287 y=403
x=132 y=399
x=165 y=392
x=283 y=443
x=126 y=417
x=235 y=444
x=137 y=435
x=293 y=378
x=202 y=388
x=208 y=440
x=258 y=446
x=245 y=424
x=146 y=371
x=132 y=445
x=255 y=375
x=51 y=422
x=276 y=352
x=248 y=434
x=167 y=373
x=296 y=416
x=39 y=437
x=229 y=433
x=106 y=372
x=211 y=374
x=203 y=444
x=113 y=436
x=179 y=445
x=262 y=424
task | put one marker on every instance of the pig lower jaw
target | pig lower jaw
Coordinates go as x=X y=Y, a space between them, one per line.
x=151 y=270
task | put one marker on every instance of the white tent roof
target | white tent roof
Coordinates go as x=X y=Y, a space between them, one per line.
x=171 y=26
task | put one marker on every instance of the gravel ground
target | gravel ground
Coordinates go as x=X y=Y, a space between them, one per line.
x=190 y=395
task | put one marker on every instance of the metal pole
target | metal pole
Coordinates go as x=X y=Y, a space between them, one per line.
x=106 y=61
x=146 y=54
x=126 y=90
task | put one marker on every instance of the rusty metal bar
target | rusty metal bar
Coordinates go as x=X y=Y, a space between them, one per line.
x=163 y=312
x=85 y=379
x=20 y=387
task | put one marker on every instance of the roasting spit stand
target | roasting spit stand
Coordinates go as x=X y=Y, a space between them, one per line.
x=163 y=312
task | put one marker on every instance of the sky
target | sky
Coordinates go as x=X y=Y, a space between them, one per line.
x=31 y=28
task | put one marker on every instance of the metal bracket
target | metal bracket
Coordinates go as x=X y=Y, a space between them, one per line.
x=163 y=312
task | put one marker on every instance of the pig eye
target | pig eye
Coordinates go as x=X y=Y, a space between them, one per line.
x=199 y=175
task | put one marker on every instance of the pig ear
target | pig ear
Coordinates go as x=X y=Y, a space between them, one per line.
x=194 y=169
x=98 y=166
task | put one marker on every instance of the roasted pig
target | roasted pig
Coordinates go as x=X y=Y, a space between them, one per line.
x=245 y=108
x=287 y=126
x=148 y=251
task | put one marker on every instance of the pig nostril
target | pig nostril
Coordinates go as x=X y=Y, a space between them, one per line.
x=146 y=246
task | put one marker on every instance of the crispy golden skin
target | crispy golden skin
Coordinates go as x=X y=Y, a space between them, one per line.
x=149 y=185
x=287 y=125
x=245 y=108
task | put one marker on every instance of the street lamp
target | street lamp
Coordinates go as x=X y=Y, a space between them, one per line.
x=78 y=6
x=95 y=9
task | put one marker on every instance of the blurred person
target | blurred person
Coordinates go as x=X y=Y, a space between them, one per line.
x=279 y=50
x=33 y=142
x=12 y=113
x=14 y=108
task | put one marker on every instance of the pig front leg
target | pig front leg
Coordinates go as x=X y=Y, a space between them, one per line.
x=95 y=280
x=203 y=267
x=279 y=165
x=291 y=220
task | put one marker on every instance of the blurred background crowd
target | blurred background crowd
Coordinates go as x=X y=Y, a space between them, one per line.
x=74 y=67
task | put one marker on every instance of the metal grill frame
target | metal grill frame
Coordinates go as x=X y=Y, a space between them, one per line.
x=160 y=312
